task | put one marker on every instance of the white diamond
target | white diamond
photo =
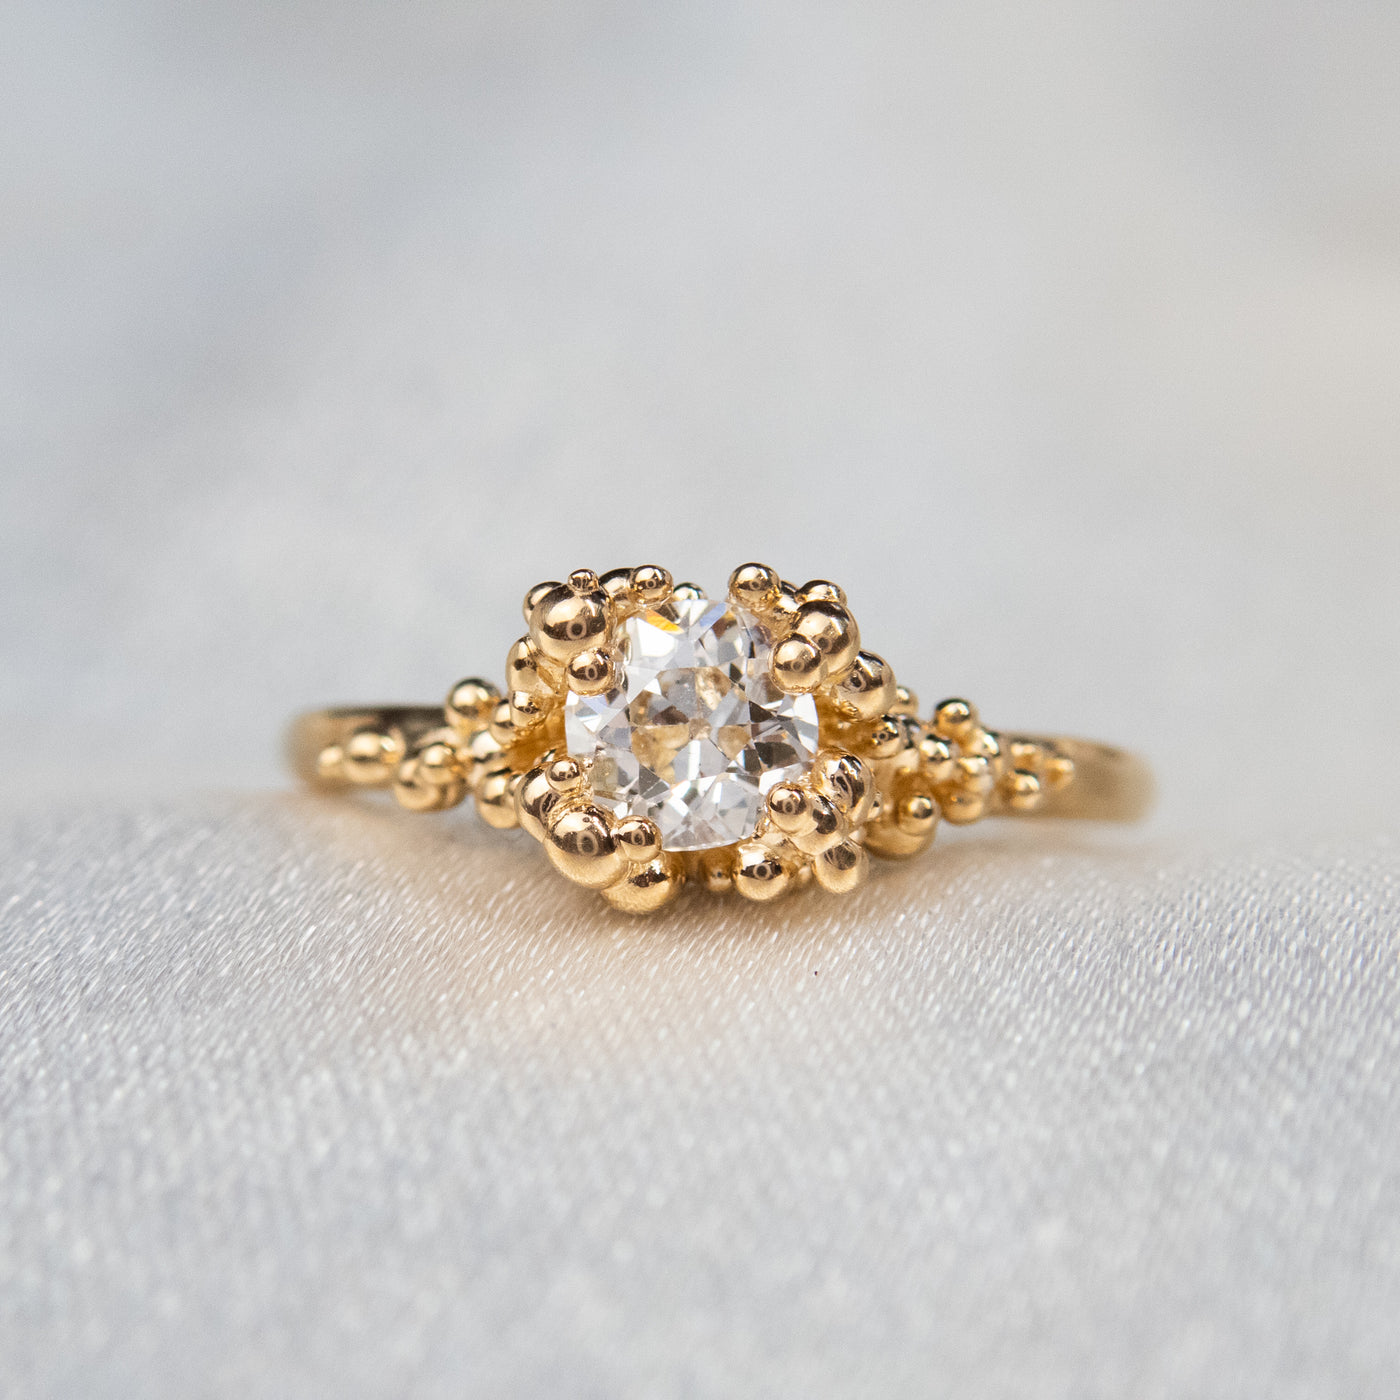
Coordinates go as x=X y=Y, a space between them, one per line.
x=696 y=735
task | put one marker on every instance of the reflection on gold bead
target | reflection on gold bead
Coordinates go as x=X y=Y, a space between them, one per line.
x=937 y=756
x=905 y=701
x=565 y=623
x=981 y=742
x=962 y=808
x=832 y=631
x=502 y=724
x=566 y=775
x=908 y=821
x=645 y=888
x=1058 y=772
x=916 y=813
x=1021 y=790
x=847 y=781
x=754 y=586
x=533 y=597
x=411 y=793
x=974 y=774
x=651 y=583
x=526 y=710
x=820 y=590
x=714 y=869
x=495 y=799
x=328 y=764
x=484 y=748
x=867 y=690
x=535 y=799
x=431 y=778
x=760 y=872
x=882 y=740
x=523 y=668
x=688 y=591
x=886 y=840
x=469 y=704
x=580 y=842
x=840 y=869
x=783 y=613
x=617 y=583
x=1025 y=754
x=591 y=672
x=370 y=756
x=810 y=821
x=797 y=667
x=953 y=719
x=639 y=839
x=584 y=581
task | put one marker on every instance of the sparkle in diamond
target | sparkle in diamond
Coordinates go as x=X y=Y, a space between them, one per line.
x=697 y=734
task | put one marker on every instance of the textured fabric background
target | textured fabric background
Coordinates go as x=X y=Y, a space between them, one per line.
x=1065 y=336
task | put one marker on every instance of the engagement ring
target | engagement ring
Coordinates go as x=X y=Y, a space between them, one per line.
x=650 y=737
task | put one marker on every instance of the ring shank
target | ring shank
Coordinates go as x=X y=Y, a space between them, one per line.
x=1109 y=783
x=316 y=730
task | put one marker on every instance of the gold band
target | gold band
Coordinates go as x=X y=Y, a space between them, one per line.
x=1109 y=784
x=311 y=734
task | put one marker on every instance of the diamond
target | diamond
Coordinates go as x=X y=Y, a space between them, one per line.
x=696 y=734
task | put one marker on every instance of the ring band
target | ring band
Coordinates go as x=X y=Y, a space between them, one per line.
x=651 y=737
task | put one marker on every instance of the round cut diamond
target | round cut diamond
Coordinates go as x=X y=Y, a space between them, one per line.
x=696 y=734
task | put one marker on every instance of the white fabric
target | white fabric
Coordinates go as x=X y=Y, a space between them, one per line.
x=1064 y=336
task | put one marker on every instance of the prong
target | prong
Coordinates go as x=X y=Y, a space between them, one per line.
x=651 y=583
x=760 y=872
x=617 y=584
x=592 y=672
x=566 y=776
x=639 y=838
x=582 y=846
x=565 y=621
x=527 y=710
x=868 y=689
x=755 y=587
x=833 y=632
x=820 y=590
x=848 y=782
x=797 y=667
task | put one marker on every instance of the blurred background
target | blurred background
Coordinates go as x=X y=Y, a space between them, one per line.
x=1066 y=337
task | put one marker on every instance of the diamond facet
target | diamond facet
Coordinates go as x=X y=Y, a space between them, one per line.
x=696 y=734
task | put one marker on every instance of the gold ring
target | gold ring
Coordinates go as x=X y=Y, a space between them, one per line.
x=652 y=737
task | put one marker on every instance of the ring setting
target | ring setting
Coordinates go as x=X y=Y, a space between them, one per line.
x=651 y=737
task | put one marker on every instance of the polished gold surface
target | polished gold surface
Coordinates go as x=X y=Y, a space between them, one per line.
x=882 y=782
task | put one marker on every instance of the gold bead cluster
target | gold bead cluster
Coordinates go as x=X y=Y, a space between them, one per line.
x=880 y=783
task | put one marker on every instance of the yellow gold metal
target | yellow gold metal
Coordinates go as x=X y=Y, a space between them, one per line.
x=798 y=666
x=591 y=672
x=760 y=872
x=880 y=784
x=581 y=844
x=754 y=586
